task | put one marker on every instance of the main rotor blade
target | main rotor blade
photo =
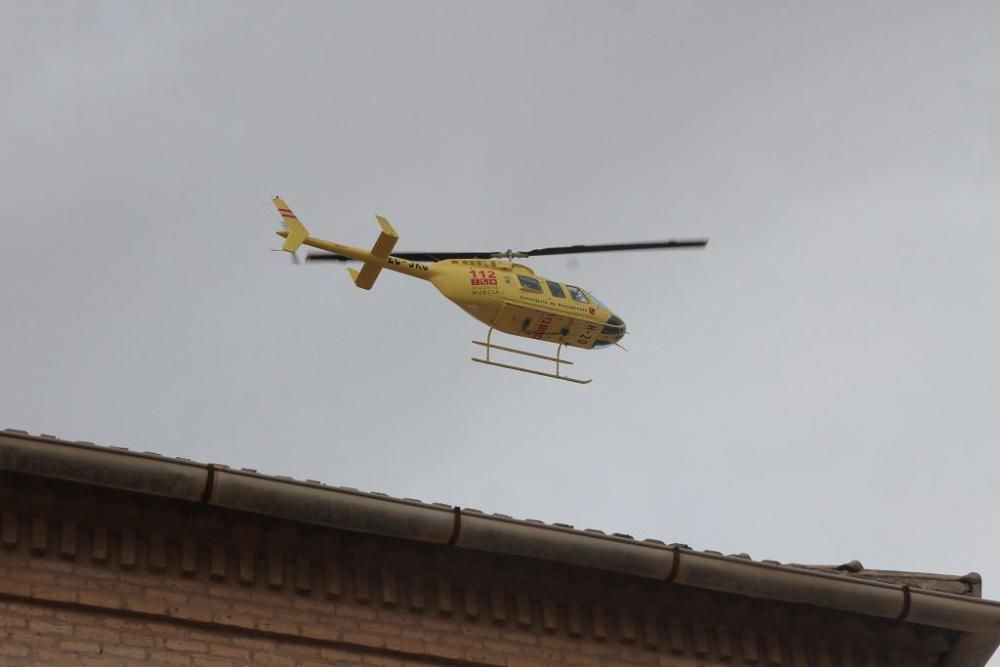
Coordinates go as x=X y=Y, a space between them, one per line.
x=537 y=252
x=614 y=247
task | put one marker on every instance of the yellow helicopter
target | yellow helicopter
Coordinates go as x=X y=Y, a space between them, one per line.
x=505 y=296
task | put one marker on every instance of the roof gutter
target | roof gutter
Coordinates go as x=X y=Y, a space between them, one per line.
x=348 y=509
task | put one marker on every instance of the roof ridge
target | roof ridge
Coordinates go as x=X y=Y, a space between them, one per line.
x=969 y=585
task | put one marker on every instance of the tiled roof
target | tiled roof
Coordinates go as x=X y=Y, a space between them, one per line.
x=969 y=585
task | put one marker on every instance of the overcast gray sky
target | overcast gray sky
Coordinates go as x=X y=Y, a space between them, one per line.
x=819 y=385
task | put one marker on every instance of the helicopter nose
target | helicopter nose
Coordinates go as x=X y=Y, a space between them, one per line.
x=615 y=327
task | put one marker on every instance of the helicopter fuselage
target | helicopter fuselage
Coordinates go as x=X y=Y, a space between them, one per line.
x=506 y=296
x=511 y=298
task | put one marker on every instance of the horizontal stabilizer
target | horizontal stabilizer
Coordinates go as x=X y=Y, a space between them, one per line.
x=384 y=244
x=386 y=239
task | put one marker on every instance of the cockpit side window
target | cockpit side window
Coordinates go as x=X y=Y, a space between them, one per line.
x=529 y=283
x=577 y=294
x=556 y=289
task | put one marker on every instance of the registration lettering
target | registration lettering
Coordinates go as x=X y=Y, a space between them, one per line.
x=417 y=266
x=587 y=335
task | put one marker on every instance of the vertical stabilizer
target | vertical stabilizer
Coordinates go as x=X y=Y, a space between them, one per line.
x=297 y=233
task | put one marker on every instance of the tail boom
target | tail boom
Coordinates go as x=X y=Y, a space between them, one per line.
x=373 y=261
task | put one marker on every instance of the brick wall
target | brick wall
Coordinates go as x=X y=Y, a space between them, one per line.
x=52 y=635
x=92 y=577
x=74 y=612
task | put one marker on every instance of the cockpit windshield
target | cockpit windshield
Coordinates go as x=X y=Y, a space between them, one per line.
x=577 y=294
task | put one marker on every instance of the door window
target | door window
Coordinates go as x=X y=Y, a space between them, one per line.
x=529 y=283
x=556 y=289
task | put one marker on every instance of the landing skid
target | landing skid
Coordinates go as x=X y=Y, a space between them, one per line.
x=559 y=361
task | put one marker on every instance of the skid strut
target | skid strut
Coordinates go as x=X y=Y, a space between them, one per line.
x=488 y=344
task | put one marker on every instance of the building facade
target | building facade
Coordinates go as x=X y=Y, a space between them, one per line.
x=113 y=557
